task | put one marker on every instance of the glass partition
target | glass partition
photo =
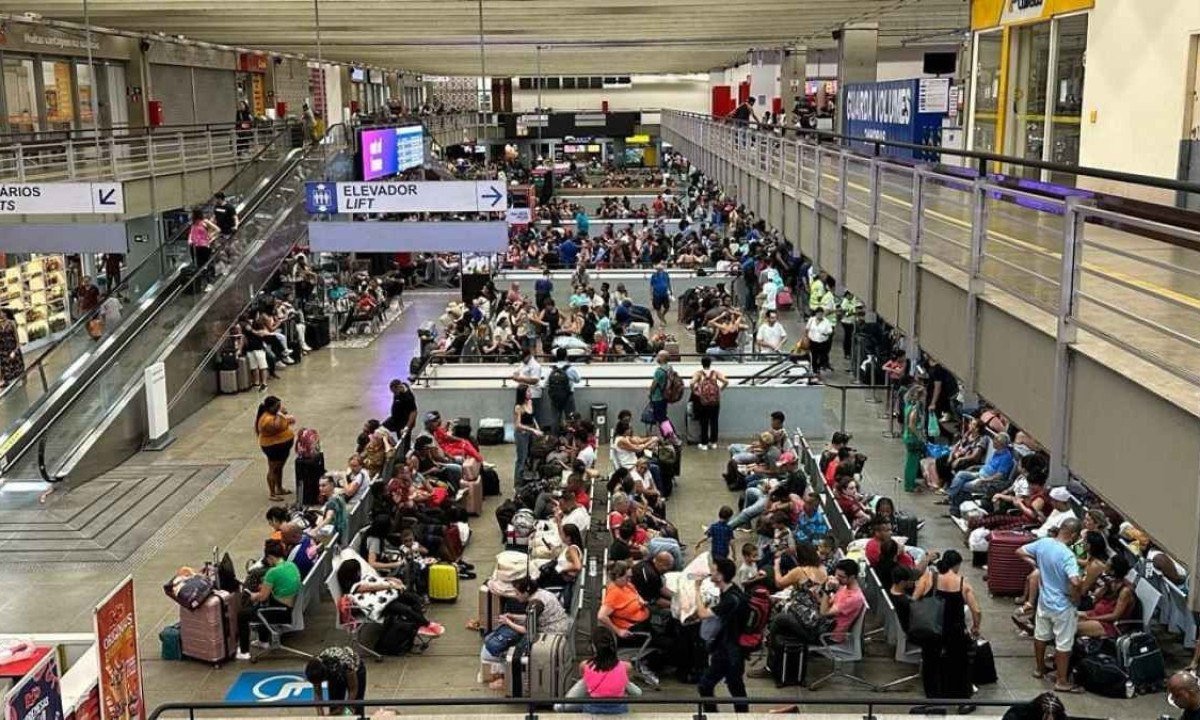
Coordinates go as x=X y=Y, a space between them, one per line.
x=987 y=91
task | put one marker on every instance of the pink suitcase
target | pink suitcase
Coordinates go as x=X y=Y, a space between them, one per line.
x=210 y=632
x=473 y=501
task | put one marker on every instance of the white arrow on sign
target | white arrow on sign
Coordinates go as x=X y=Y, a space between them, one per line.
x=62 y=199
x=399 y=197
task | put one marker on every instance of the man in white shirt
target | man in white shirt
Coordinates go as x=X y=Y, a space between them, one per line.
x=770 y=291
x=1060 y=501
x=820 y=338
x=771 y=336
x=572 y=513
x=530 y=375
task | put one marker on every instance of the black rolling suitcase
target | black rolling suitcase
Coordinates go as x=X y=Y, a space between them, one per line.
x=907 y=528
x=785 y=661
x=704 y=339
x=317 y=332
x=308 y=476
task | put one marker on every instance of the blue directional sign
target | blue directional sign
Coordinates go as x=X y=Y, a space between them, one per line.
x=270 y=687
x=405 y=197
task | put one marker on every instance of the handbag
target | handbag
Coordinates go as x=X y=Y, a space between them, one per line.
x=498 y=641
x=648 y=414
x=983 y=663
x=932 y=427
x=927 y=617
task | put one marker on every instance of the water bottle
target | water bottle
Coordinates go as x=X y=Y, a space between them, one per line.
x=592 y=566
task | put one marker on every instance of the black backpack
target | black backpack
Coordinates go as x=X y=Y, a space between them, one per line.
x=558 y=387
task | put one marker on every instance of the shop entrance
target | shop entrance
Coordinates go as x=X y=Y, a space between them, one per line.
x=1189 y=152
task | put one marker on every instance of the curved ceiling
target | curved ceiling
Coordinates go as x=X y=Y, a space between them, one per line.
x=597 y=37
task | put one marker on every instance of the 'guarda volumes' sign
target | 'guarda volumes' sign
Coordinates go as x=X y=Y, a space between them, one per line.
x=890 y=111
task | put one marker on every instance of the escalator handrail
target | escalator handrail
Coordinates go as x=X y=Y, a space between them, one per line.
x=69 y=459
x=81 y=322
x=111 y=349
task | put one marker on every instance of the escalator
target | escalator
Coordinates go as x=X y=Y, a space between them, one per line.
x=74 y=383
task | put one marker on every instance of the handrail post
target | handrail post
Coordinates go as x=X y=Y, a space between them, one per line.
x=699 y=712
x=42 y=375
x=112 y=156
x=70 y=160
x=20 y=162
x=1066 y=332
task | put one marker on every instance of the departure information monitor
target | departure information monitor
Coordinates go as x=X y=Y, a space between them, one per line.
x=389 y=151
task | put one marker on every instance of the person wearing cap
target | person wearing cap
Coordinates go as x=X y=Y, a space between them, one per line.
x=991 y=477
x=1061 y=511
x=1056 y=618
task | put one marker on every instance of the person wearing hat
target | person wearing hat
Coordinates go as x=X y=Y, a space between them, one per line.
x=1061 y=511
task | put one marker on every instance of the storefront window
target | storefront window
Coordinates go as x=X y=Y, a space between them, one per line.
x=987 y=91
x=56 y=87
x=20 y=95
x=83 y=75
x=1068 y=93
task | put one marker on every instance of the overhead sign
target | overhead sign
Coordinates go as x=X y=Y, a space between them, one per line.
x=405 y=197
x=518 y=216
x=61 y=198
x=447 y=236
x=270 y=687
x=80 y=237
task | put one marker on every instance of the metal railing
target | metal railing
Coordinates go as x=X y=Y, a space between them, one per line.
x=1092 y=261
x=689 y=707
x=122 y=155
x=45 y=373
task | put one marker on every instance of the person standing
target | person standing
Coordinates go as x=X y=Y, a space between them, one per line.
x=200 y=235
x=560 y=388
x=12 y=362
x=771 y=335
x=660 y=292
x=225 y=215
x=530 y=376
x=345 y=674
x=820 y=339
x=403 y=416
x=245 y=124
x=945 y=665
x=914 y=435
x=1056 y=618
x=112 y=271
x=725 y=660
x=525 y=429
x=707 y=385
x=274 y=427
x=851 y=309
x=658 y=386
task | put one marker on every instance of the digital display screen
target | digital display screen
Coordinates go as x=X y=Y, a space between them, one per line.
x=388 y=151
x=358 y=75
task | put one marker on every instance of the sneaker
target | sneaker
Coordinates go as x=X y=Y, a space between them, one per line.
x=431 y=631
x=465 y=565
x=256 y=643
x=702 y=446
x=242 y=655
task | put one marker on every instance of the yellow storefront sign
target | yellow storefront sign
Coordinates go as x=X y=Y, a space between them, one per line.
x=996 y=13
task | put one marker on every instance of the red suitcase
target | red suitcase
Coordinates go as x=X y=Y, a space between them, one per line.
x=1006 y=573
x=210 y=632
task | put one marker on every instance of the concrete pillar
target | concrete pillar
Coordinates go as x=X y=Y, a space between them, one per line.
x=858 y=51
x=792 y=75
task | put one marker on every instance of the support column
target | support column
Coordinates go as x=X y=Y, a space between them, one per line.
x=1065 y=336
x=792 y=75
x=858 y=52
x=916 y=237
x=975 y=285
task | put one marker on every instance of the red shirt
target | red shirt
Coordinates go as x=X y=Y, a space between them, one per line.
x=830 y=473
x=872 y=553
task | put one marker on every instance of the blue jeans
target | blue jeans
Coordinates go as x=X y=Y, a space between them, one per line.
x=523 y=441
x=739 y=453
x=958 y=490
x=756 y=503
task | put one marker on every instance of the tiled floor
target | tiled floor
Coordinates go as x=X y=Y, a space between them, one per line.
x=334 y=391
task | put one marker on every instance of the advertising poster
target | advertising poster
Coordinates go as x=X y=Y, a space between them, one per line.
x=38 y=695
x=89 y=707
x=120 y=666
x=892 y=111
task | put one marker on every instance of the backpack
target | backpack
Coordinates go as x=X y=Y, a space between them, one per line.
x=558 y=387
x=1103 y=675
x=396 y=638
x=758 y=614
x=673 y=391
x=706 y=390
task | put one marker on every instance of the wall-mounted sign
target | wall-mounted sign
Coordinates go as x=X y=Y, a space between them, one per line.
x=251 y=62
x=995 y=13
x=890 y=111
x=637 y=140
x=590 y=119
x=933 y=95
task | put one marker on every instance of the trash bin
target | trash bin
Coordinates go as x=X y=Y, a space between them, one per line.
x=600 y=420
